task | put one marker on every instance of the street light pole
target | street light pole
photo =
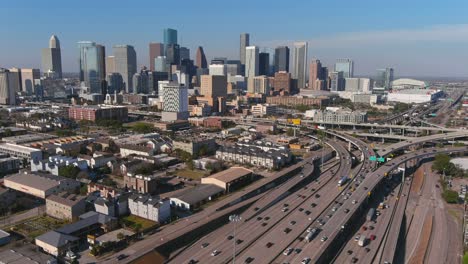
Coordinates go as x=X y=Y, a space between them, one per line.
x=234 y=218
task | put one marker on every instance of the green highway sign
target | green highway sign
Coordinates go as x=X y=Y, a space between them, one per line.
x=381 y=159
x=372 y=158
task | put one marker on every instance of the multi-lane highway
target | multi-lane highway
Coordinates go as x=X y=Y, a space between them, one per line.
x=320 y=251
x=189 y=224
x=419 y=140
x=250 y=230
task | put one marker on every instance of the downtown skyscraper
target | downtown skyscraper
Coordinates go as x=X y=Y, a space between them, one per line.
x=282 y=59
x=170 y=37
x=251 y=61
x=52 y=58
x=384 y=78
x=263 y=63
x=244 y=43
x=92 y=65
x=317 y=76
x=300 y=63
x=346 y=66
x=201 y=62
x=125 y=63
x=155 y=50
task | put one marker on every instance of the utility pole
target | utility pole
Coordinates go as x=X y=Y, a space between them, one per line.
x=234 y=219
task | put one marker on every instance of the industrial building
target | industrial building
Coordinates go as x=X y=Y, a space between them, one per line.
x=229 y=179
x=414 y=96
x=193 y=198
x=40 y=185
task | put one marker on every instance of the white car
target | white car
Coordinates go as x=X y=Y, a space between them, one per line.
x=357 y=238
x=324 y=238
x=288 y=251
x=305 y=261
x=215 y=253
x=354 y=202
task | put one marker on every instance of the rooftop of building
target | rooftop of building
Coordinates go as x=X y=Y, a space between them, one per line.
x=26 y=138
x=86 y=219
x=199 y=193
x=95 y=107
x=39 y=181
x=65 y=198
x=11 y=129
x=26 y=254
x=231 y=174
x=56 y=239
x=415 y=91
x=146 y=199
x=15 y=147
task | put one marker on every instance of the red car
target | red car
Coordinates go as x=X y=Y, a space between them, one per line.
x=364 y=228
x=372 y=237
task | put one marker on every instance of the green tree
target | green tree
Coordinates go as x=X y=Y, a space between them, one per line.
x=7 y=133
x=441 y=162
x=120 y=236
x=65 y=133
x=84 y=189
x=290 y=132
x=183 y=155
x=109 y=182
x=209 y=166
x=137 y=228
x=450 y=196
x=190 y=164
x=69 y=171
x=143 y=128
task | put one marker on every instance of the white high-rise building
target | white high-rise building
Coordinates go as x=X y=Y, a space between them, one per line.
x=217 y=69
x=300 y=63
x=251 y=61
x=361 y=85
x=175 y=101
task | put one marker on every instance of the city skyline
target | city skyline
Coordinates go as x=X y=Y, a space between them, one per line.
x=408 y=44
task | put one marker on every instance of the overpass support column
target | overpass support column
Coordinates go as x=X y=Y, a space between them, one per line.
x=391 y=132
x=349 y=146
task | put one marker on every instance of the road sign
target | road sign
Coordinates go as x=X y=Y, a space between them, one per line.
x=381 y=159
x=372 y=158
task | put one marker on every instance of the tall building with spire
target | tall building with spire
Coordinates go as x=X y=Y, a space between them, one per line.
x=52 y=58
x=201 y=62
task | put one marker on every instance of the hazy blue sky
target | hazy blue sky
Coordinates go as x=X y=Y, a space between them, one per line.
x=416 y=37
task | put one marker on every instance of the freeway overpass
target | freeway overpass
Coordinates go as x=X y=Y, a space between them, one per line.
x=330 y=124
x=324 y=251
x=419 y=140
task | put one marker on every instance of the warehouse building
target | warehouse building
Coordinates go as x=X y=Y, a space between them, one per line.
x=230 y=179
x=191 y=199
x=40 y=185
